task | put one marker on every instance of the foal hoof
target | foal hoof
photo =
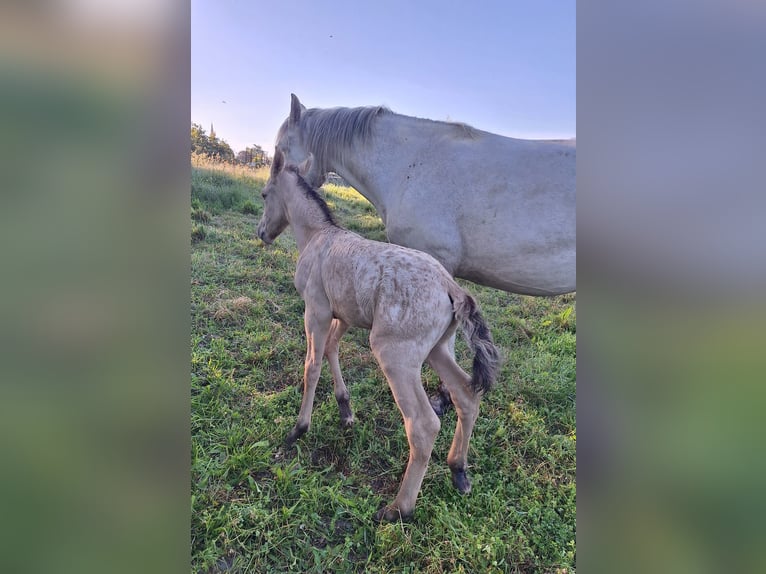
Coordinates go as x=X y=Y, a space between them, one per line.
x=346 y=414
x=390 y=514
x=461 y=481
x=296 y=433
x=441 y=401
x=347 y=423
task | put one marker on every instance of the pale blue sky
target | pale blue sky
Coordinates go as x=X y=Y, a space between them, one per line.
x=503 y=66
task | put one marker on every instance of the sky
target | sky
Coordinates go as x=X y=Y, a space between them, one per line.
x=506 y=67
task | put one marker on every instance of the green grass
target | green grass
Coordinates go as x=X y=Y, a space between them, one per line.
x=222 y=187
x=256 y=508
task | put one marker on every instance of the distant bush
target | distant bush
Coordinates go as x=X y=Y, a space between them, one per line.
x=198 y=233
x=250 y=208
x=199 y=214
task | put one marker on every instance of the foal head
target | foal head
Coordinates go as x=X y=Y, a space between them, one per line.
x=281 y=180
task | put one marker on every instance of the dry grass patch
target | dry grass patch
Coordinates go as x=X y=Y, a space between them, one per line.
x=232 y=169
x=231 y=309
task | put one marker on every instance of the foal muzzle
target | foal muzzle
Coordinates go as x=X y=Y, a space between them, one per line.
x=263 y=237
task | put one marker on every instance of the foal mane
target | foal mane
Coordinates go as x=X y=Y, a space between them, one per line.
x=312 y=194
x=328 y=132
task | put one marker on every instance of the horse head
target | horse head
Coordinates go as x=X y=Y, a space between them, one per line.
x=290 y=143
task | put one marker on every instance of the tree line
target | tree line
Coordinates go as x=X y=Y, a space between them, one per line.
x=217 y=149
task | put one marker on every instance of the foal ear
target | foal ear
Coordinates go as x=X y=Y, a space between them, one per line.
x=278 y=163
x=305 y=168
x=296 y=109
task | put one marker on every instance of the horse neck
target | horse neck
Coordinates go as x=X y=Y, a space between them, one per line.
x=305 y=217
x=374 y=168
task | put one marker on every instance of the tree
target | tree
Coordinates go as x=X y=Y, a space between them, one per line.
x=259 y=156
x=199 y=140
x=210 y=145
x=244 y=157
x=253 y=155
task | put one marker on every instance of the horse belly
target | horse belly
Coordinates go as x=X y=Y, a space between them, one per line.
x=519 y=238
x=553 y=275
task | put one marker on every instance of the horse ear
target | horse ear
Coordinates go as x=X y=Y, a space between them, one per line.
x=305 y=168
x=296 y=109
x=278 y=163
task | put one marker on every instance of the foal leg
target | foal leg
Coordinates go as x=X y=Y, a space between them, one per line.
x=441 y=400
x=420 y=423
x=317 y=325
x=466 y=403
x=337 y=330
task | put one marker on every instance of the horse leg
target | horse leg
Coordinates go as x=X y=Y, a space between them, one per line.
x=317 y=324
x=441 y=400
x=341 y=392
x=420 y=423
x=466 y=404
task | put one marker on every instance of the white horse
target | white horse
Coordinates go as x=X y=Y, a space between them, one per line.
x=494 y=210
x=412 y=307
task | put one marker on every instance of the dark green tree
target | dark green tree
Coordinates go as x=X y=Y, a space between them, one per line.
x=199 y=140
x=253 y=155
x=210 y=145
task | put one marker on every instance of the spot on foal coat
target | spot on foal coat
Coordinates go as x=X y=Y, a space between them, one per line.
x=411 y=306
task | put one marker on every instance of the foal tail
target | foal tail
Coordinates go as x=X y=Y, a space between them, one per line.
x=486 y=360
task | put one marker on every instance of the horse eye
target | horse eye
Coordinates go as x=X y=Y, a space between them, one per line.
x=263 y=195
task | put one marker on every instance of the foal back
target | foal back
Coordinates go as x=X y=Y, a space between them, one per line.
x=388 y=289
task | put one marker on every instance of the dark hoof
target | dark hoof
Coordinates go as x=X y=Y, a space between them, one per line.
x=441 y=401
x=294 y=435
x=461 y=481
x=347 y=423
x=346 y=414
x=389 y=514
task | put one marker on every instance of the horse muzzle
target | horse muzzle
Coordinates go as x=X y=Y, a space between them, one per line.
x=265 y=238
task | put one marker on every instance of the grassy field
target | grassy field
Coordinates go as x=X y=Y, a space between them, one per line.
x=258 y=508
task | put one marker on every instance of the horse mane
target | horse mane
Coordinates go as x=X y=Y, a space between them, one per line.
x=312 y=194
x=464 y=130
x=329 y=131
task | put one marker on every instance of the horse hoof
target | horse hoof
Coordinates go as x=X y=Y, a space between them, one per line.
x=346 y=414
x=390 y=514
x=296 y=433
x=347 y=423
x=441 y=401
x=461 y=481
x=439 y=404
x=436 y=405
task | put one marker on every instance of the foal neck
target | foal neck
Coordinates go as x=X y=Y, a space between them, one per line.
x=308 y=213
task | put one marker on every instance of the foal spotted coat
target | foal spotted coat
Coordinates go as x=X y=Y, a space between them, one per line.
x=410 y=304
